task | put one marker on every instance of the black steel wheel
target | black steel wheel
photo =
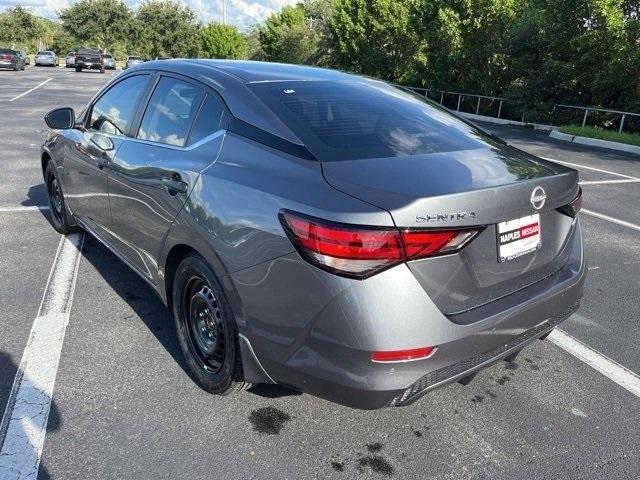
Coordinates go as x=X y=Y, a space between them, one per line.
x=58 y=212
x=205 y=326
x=206 y=329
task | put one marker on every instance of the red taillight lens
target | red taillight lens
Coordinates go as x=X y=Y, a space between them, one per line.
x=402 y=355
x=8 y=56
x=575 y=206
x=359 y=252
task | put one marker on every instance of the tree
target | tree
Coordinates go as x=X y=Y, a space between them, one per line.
x=222 y=41
x=289 y=37
x=100 y=23
x=376 y=37
x=18 y=27
x=254 y=47
x=167 y=29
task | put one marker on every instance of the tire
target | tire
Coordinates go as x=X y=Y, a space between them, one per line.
x=78 y=69
x=206 y=329
x=59 y=216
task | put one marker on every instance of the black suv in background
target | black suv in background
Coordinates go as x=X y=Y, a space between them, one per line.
x=89 y=59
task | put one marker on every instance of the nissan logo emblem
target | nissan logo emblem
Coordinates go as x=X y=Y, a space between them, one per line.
x=538 y=197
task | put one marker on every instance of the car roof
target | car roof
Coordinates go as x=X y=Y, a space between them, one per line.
x=231 y=78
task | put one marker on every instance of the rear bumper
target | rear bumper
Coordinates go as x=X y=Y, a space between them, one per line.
x=329 y=356
x=6 y=64
x=90 y=66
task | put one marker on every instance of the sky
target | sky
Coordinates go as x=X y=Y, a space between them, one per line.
x=241 y=13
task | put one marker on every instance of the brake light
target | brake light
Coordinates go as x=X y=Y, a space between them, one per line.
x=359 y=252
x=402 y=355
x=8 y=56
x=574 y=206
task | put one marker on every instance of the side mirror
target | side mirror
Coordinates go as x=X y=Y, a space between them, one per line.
x=60 y=118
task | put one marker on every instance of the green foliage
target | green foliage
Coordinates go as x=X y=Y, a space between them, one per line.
x=167 y=29
x=602 y=134
x=376 y=37
x=18 y=27
x=222 y=41
x=100 y=23
x=290 y=36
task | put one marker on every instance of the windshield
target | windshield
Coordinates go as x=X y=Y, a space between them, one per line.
x=365 y=119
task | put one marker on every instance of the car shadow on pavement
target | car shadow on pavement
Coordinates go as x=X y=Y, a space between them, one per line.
x=142 y=299
x=20 y=455
x=36 y=197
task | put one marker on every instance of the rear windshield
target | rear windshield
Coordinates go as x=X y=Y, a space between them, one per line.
x=365 y=119
x=108 y=56
x=89 y=51
x=45 y=53
x=134 y=58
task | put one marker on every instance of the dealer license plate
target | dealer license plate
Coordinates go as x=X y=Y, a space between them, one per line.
x=518 y=237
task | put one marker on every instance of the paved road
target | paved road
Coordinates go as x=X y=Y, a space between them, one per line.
x=123 y=406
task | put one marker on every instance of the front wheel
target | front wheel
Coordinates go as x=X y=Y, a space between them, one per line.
x=78 y=69
x=206 y=329
x=59 y=216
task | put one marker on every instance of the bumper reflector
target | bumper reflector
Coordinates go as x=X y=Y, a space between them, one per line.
x=402 y=355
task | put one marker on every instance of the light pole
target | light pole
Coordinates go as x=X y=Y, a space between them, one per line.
x=224 y=12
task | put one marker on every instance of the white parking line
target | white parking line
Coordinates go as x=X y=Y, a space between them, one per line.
x=617 y=221
x=590 y=168
x=596 y=360
x=24 y=423
x=608 y=182
x=31 y=89
x=31 y=208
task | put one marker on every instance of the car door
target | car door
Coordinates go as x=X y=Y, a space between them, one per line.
x=106 y=124
x=152 y=175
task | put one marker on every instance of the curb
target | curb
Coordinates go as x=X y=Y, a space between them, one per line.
x=595 y=142
x=503 y=121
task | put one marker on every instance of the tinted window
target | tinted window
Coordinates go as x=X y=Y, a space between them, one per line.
x=113 y=112
x=89 y=51
x=168 y=116
x=365 y=119
x=208 y=119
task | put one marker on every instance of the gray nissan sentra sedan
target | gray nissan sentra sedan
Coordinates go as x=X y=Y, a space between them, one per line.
x=319 y=230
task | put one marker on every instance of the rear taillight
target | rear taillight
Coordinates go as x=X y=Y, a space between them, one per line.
x=574 y=206
x=359 y=252
x=8 y=56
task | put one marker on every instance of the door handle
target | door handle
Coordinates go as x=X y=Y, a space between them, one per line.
x=175 y=185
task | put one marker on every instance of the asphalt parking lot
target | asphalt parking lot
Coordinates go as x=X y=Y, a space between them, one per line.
x=123 y=406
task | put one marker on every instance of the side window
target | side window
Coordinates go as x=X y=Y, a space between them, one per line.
x=114 y=111
x=168 y=116
x=208 y=119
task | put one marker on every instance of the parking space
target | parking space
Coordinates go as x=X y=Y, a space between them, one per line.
x=124 y=407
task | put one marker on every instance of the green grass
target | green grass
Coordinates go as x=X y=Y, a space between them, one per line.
x=602 y=134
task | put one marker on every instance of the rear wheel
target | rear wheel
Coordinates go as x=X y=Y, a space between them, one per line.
x=78 y=69
x=206 y=329
x=58 y=212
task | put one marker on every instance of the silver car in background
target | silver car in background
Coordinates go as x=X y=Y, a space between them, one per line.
x=109 y=62
x=320 y=230
x=132 y=62
x=46 y=58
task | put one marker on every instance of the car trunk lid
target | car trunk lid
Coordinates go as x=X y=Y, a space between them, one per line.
x=468 y=188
